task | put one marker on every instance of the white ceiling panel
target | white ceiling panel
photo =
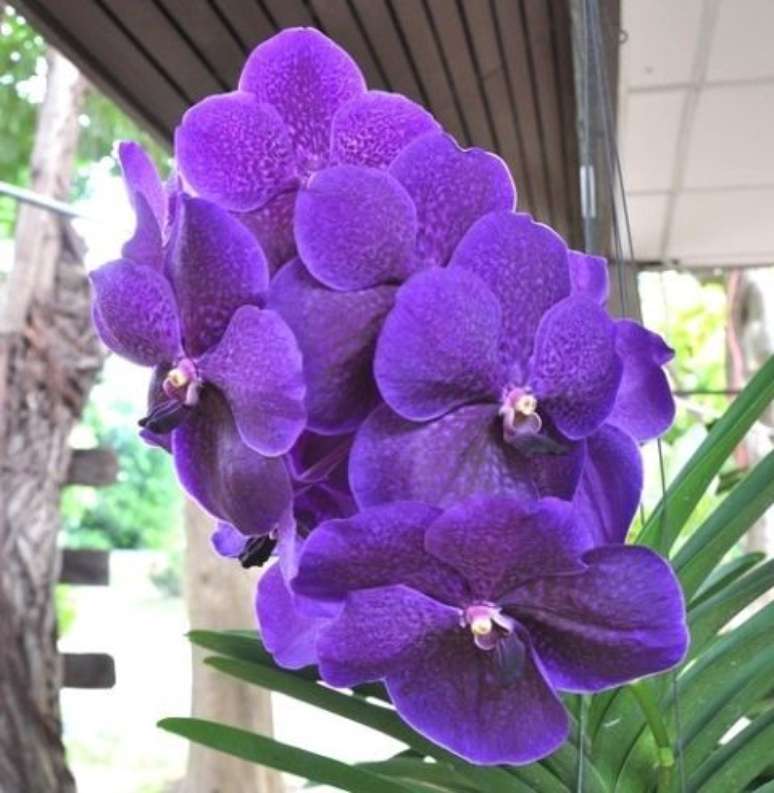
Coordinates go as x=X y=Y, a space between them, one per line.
x=741 y=48
x=661 y=40
x=732 y=140
x=724 y=227
x=647 y=214
x=650 y=138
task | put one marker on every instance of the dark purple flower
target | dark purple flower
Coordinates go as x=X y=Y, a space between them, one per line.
x=227 y=378
x=496 y=370
x=476 y=616
x=361 y=231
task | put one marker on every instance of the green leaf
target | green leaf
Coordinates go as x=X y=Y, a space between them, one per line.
x=665 y=523
x=715 y=612
x=725 y=574
x=725 y=526
x=418 y=770
x=737 y=763
x=292 y=759
x=725 y=704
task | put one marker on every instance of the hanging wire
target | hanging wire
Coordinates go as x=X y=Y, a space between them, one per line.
x=594 y=74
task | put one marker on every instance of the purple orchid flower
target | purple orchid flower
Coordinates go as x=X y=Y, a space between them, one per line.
x=301 y=105
x=360 y=232
x=495 y=372
x=475 y=617
x=227 y=393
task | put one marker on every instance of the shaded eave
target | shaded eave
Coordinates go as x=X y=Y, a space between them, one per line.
x=497 y=74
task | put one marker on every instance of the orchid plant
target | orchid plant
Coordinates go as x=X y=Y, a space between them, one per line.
x=409 y=401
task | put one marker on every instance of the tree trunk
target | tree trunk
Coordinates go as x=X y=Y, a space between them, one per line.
x=49 y=358
x=220 y=596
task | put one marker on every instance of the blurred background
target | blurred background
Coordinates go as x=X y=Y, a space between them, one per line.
x=687 y=86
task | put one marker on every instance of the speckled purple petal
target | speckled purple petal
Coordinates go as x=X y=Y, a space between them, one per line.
x=373 y=128
x=272 y=226
x=235 y=151
x=497 y=542
x=451 y=188
x=142 y=178
x=336 y=332
x=379 y=631
x=134 y=312
x=381 y=546
x=145 y=245
x=289 y=635
x=588 y=275
x=445 y=460
x=611 y=484
x=228 y=541
x=575 y=370
x=525 y=265
x=257 y=366
x=355 y=227
x=307 y=78
x=644 y=406
x=453 y=695
x=622 y=619
x=229 y=479
x=215 y=266
x=438 y=348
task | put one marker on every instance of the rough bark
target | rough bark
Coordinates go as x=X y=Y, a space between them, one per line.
x=49 y=358
x=220 y=596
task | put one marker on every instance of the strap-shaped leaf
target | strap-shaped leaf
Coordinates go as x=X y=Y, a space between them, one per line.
x=414 y=769
x=715 y=612
x=731 y=700
x=292 y=759
x=726 y=574
x=682 y=496
x=725 y=526
x=737 y=763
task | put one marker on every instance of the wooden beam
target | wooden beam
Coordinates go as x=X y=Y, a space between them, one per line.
x=88 y=670
x=85 y=567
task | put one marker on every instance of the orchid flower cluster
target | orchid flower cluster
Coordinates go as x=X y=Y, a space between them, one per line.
x=367 y=363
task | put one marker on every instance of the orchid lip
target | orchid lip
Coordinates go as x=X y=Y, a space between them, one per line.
x=183 y=382
x=519 y=410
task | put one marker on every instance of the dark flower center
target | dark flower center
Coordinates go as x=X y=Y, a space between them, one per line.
x=257 y=551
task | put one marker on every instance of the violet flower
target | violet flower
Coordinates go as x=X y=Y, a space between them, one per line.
x=227 y=378
x=475 y=617
x=360 y=232
x=497 y=369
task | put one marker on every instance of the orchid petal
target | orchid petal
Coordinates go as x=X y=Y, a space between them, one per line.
x=134 y=312
x=575 y=370
x=621 y=619
x=438 y=347
x=235 y=151
x=451 y=189
x=373 y=128
x=215 y=266
x=355 y=227
x=307 y=78
x=257 y=366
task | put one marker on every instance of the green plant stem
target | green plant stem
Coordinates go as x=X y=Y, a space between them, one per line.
x=666 y=757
